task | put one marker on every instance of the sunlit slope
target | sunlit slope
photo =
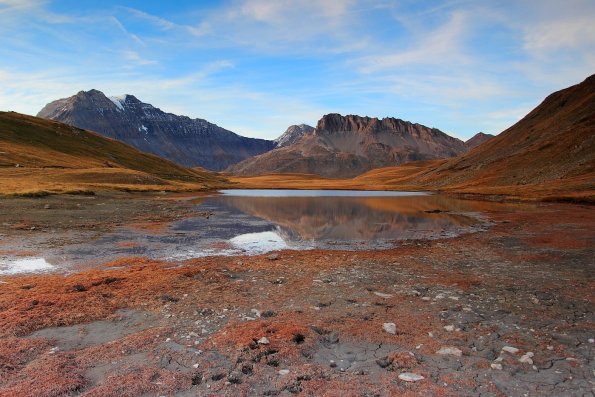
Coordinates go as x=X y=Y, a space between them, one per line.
x=550 y=149
x=38 y=154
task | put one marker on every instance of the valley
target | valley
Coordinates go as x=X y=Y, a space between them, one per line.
x=144 y=253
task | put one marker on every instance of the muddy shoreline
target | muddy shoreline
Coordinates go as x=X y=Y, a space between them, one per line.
x=505 y=312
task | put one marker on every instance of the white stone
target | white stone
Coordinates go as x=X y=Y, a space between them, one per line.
x=264 y=341
x=453 y=351
x=510 y=349
x=410 y=377
x=591 y=340
x=527 y=358
x=283 y=372
x=449 y=328
x=382 y=295
x=496 y=366
x=391 y=328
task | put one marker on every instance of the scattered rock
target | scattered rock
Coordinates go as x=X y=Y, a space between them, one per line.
x=382 y=295
x=391 y=328
x=527 y=358
x=268 y=313
x=283 y=371
x=496 y=366
x=264 y=341
x=410 y=377
x=47 y=206
x=449 y=328
x=273 y=257
x=452 y=351
x=510 y=349
x=234 y=378
x=79 y=288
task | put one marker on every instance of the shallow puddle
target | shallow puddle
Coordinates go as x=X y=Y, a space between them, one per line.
x=239 y=222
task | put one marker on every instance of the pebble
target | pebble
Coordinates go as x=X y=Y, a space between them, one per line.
x=453 y=351
x=195 y=365
x=382 y=295
x=591 y=340
x=264 y=341
x=283 y=372
x=496 y=366
x=449 y=328
x=410 y=377
x=510 y=349
x=273 y=257
x=391 y=328
x=527 y=358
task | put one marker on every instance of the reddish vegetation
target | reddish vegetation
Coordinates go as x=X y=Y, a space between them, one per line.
x=314 y=306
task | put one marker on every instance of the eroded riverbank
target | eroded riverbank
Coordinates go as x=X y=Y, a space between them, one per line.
x=315 y=322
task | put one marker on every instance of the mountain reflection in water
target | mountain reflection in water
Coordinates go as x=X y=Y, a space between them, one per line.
x=356 y=219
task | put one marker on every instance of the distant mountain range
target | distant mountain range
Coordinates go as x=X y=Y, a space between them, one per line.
x=340 y=146
x=186 y=141
x=346 y=146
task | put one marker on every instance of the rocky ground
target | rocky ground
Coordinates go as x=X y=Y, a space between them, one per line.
x=506 y=312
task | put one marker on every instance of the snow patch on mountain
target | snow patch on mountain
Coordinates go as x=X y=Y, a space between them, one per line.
x=118 y=100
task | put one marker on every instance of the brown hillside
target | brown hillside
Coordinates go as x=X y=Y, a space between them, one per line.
x=553 y=146
x=38 y=154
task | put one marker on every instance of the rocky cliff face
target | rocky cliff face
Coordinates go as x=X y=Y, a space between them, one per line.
x=293 y=134
x=186 y=141
x=345 y=146
x=478 y=139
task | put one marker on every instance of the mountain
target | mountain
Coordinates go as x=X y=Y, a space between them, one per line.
x=188 y=142
x=293 y=134
x=345 y=146
x=478 y=139
x=553 y=144
x=49 y=155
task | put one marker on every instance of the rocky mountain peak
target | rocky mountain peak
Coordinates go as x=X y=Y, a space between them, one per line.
x=345 y=146
x=186 y=141
x=293 y=134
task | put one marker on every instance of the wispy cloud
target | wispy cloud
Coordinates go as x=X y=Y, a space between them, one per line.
x=256 y=66
x=199 y=30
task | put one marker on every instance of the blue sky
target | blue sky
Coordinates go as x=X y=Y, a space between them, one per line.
x=258 y=66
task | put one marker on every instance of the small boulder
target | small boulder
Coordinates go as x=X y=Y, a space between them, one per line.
x=410 y=377
x=451 y=351
x=391 y=328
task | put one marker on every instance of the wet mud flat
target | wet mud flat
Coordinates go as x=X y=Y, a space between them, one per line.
x=71 y=233
x=505 y=312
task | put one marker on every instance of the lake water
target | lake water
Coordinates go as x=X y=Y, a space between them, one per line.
x=253 y=222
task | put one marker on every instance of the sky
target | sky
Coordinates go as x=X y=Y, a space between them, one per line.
x=258 y=66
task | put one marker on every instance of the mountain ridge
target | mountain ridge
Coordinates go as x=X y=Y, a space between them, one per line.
x=345 y=146
x=186 y=141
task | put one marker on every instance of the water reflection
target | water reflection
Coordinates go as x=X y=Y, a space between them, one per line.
x=356 y=219
x=240 y=224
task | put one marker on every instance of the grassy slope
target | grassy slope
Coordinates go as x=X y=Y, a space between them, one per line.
x=55 y=157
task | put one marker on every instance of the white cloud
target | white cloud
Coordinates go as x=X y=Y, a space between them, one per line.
x=165 y=24
x=545 y=37
x=135 y=57
x=438 y=47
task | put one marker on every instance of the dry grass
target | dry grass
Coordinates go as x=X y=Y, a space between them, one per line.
x=40 y=156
